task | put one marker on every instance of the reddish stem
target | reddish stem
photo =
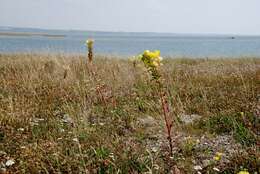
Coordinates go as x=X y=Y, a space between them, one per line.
x=168 y=123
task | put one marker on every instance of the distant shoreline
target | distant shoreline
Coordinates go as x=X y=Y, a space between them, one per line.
x=31 y=34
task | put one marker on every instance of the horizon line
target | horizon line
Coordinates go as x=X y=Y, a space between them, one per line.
x=136 y=32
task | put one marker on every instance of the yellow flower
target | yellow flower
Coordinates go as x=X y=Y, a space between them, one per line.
x=151 y=59
x=146 y=53
x=218 y=156
x=89 y=42
x=155 y=64
x=151 y=55
x=243 y=172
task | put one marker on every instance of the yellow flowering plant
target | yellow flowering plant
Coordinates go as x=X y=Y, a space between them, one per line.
x=100 y=88
x=218 y=156
x=152 y=62
x=89 y=44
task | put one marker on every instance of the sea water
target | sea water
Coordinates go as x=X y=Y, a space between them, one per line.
x=128 y=44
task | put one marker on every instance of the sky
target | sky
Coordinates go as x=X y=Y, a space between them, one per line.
x=171 y=16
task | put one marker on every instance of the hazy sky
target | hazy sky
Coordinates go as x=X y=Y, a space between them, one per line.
x=175 y=16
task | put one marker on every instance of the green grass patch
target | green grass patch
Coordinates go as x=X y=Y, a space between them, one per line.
x=236 y=124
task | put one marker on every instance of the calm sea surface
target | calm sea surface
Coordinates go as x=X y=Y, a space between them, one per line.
x=120 y=43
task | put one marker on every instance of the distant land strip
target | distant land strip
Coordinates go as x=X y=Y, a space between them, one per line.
x=30 y=34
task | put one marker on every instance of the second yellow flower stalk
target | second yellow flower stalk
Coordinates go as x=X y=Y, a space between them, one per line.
x=89 y=44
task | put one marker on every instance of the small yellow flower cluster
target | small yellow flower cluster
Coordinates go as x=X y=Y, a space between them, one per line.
x=218 y=156
x=89 y=43
x=243 y=172
x=151 y=59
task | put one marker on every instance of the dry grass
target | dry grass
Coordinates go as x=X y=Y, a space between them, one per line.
x=75 y=122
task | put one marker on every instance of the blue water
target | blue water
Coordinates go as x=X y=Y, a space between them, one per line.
x=120 y=43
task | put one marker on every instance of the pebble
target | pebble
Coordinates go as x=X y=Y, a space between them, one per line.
x=216 y=169
x=101 y=124
x=197 y=167
x=75 y=139
x=21 y=129
x=9 y=163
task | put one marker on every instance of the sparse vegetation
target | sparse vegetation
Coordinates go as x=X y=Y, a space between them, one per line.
x=234 y=124
x=56 y=117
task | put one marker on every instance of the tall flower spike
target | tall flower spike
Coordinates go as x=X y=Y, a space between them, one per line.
x=89 y=44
